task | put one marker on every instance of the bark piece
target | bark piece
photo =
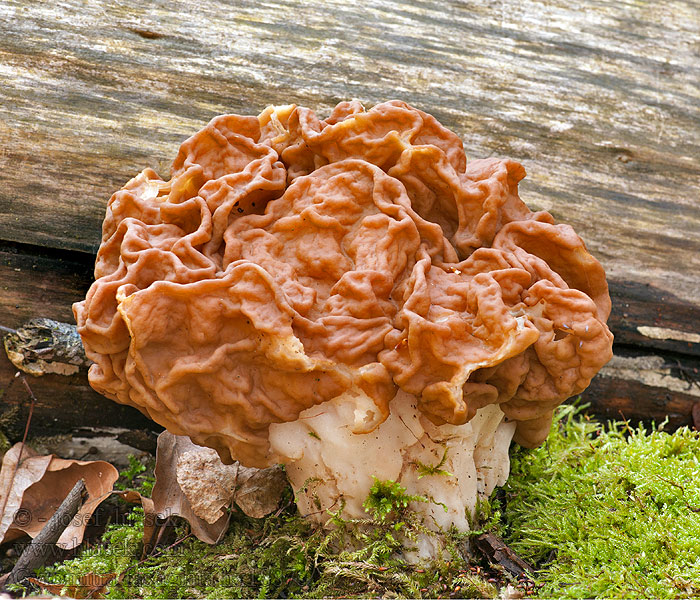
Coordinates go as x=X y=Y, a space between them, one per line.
x=497 y=551
x=43 y=346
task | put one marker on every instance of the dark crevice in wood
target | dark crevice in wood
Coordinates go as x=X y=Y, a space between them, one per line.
x=59 y=254
x=622 y=393
x=637 y=305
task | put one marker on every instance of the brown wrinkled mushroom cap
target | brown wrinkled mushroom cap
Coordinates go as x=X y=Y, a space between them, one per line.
x=290 y=260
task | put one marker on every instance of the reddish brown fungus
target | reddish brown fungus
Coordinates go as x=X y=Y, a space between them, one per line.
x=366 y=261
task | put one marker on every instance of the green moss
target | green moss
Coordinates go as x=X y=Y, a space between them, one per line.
x=137 y=476
x=608 y=512
x=388 y=498
x=120 y=547
x=280 y=556
x=602 y=512
x=427 y=470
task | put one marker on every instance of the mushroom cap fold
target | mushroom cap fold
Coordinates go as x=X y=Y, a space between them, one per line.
x=291 y=260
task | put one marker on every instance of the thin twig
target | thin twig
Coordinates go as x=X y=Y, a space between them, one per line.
x=689 y=506
x=7 y=329
x=161 y=531
x=29 y=391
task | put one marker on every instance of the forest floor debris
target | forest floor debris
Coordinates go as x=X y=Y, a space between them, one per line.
x=598 y=511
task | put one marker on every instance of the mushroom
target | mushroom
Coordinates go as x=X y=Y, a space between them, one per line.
x=348 y=297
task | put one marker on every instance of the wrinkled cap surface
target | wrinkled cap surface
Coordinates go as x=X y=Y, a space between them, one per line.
x=290 y=260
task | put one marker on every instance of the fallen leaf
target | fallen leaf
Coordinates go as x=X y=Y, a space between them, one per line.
x=192 y=482
x=150 y=517
x=210 y=485
x=206 y=482
x=32 y=487
x=13 y=483
x=168 y=498
x=90 y=585
x=260 y=490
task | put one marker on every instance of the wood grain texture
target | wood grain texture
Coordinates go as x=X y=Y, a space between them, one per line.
x=650 y=319
x=599 y=100
x=41 y=282
x=64 y=403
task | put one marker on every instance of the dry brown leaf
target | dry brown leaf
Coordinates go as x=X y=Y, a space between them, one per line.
x=15 y=478
x=32 y=488
x=90 y=585
x=192 y=482
x=259 y=490
x=168 y=497
x=207 y=483
x=150 y=517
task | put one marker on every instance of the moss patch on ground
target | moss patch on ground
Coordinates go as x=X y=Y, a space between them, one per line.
x=281 y=556
x=610 y=512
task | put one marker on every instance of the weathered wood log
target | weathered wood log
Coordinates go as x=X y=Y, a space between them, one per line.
x=604 y=118
x=647 y=387
x=38 y=282
x=647 y=317
x=637 y=387
x=598 y=100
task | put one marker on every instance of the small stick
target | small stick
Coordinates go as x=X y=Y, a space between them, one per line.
x=37 y=552
x=7 y=329
x=161 y=531
x=498 y=552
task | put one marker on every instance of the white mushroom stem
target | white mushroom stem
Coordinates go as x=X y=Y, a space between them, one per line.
x=327 y=464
